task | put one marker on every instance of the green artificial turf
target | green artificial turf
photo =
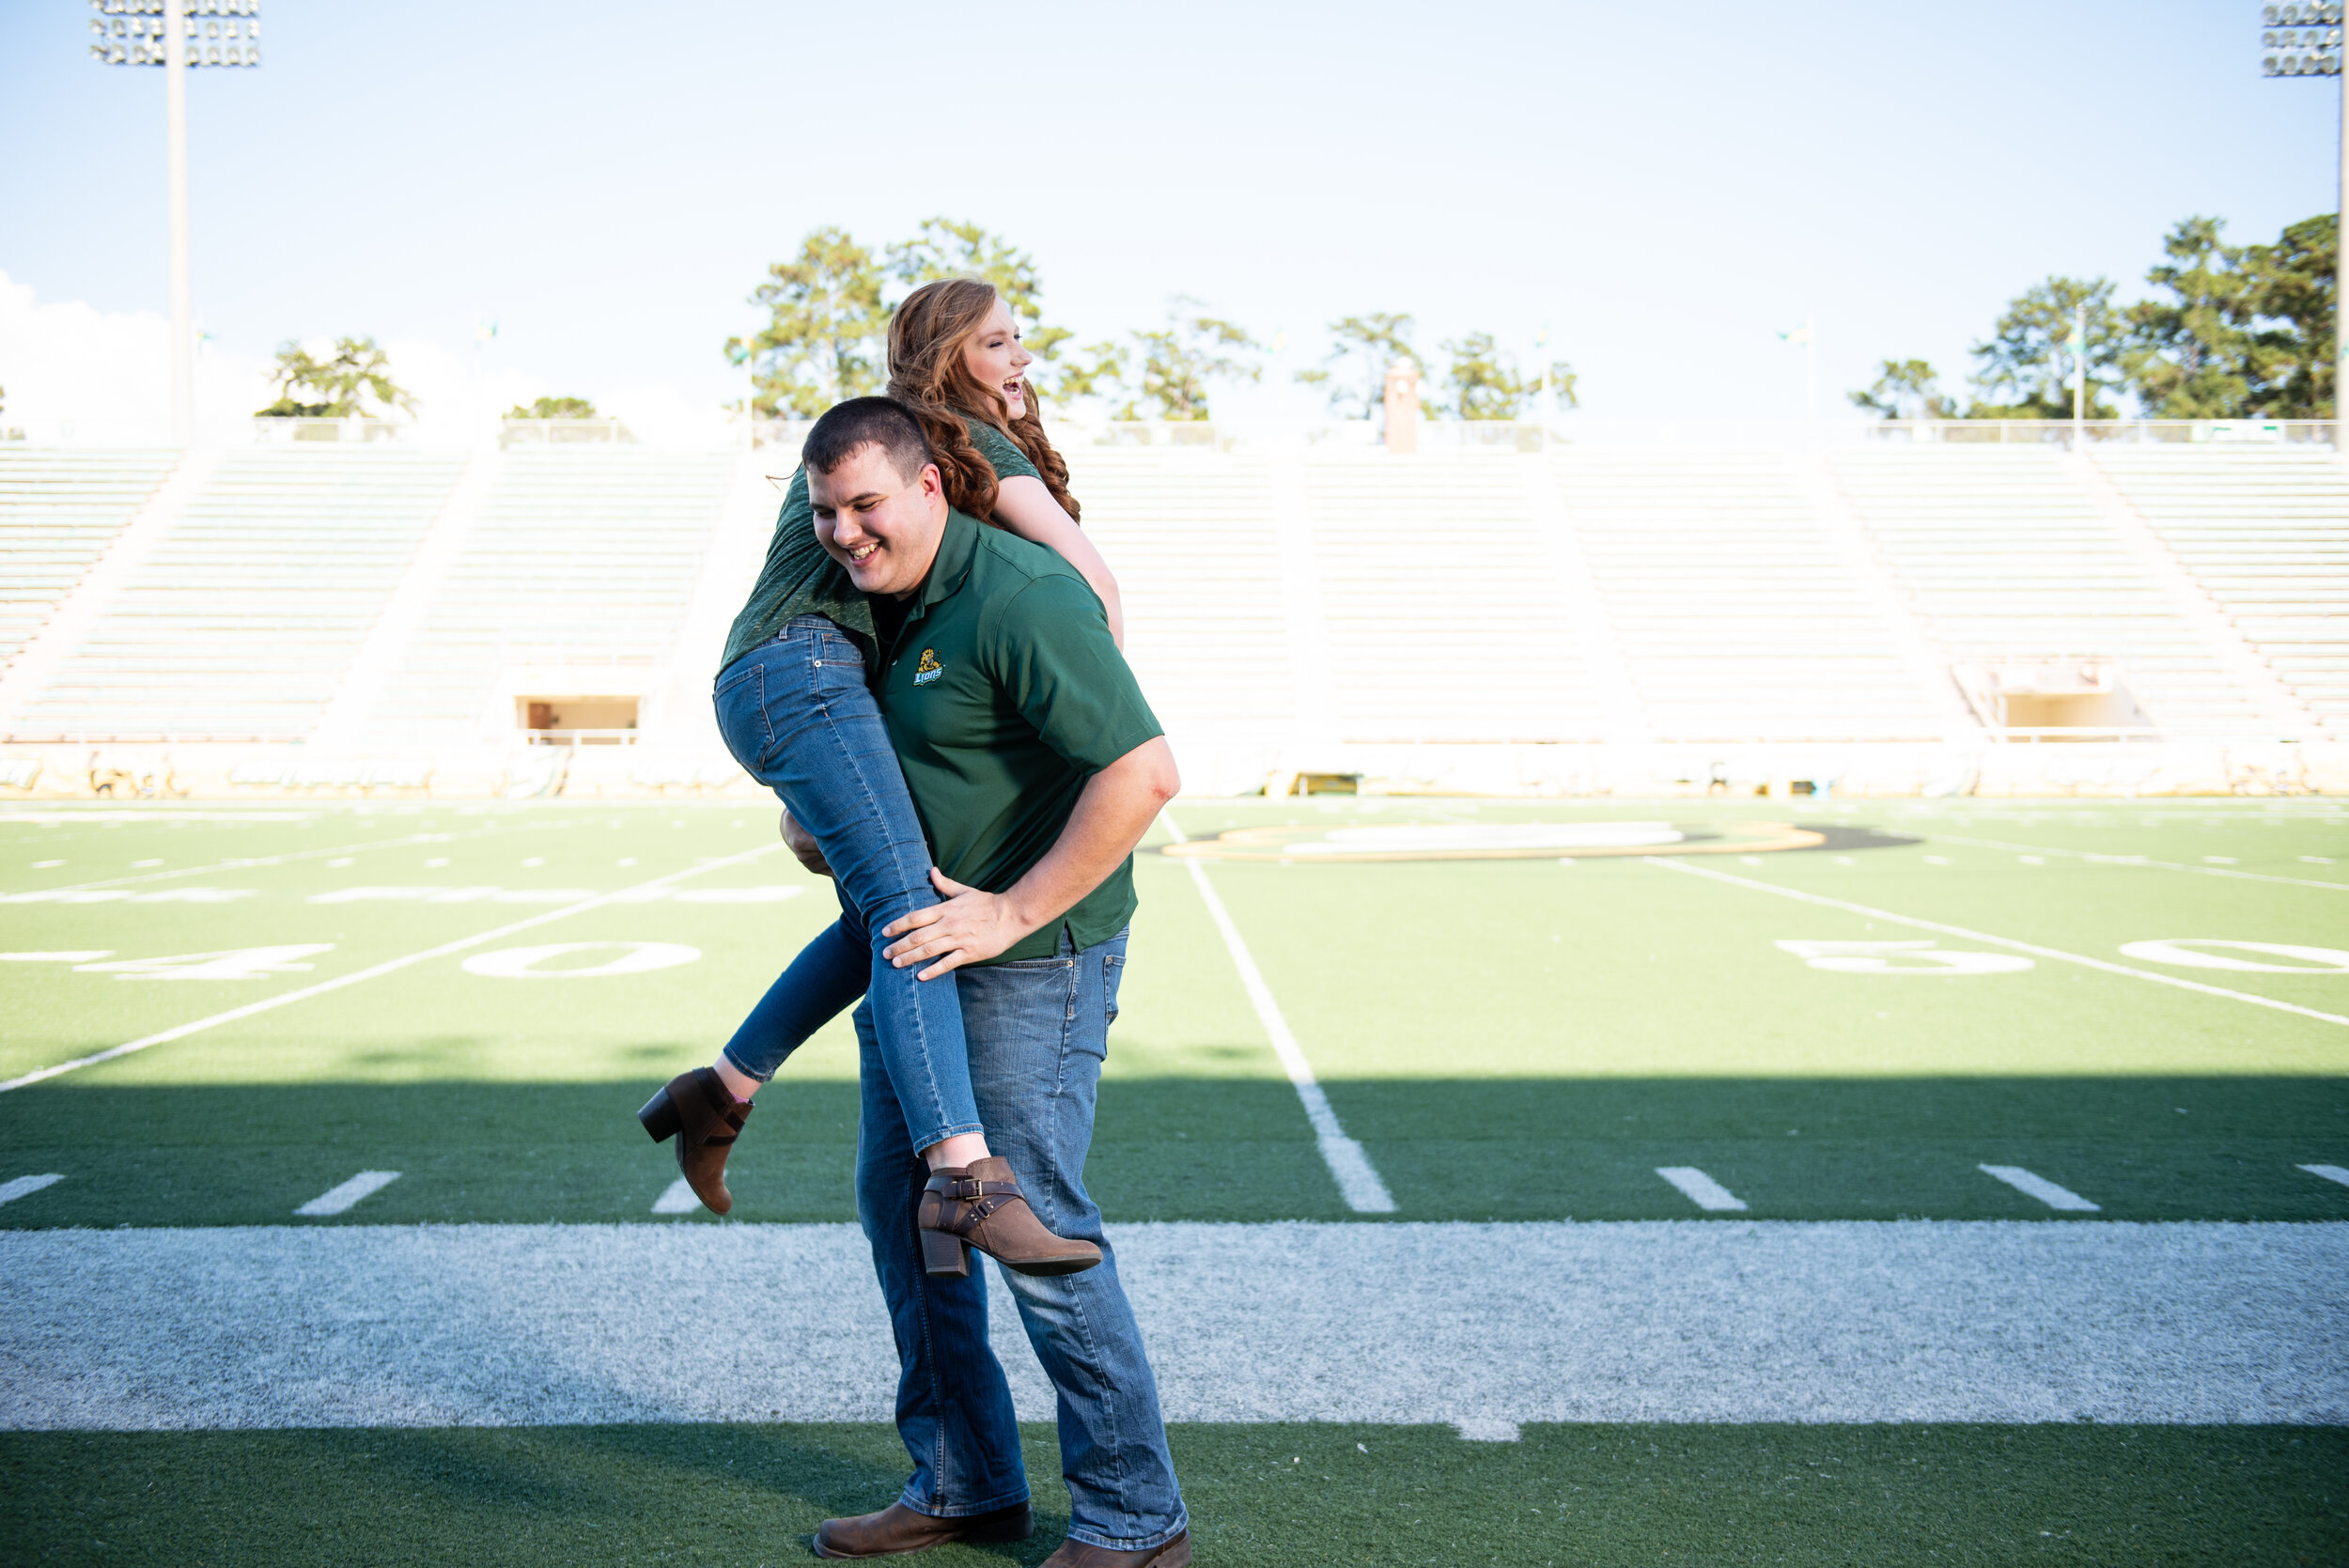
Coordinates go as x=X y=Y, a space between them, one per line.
x=1274 y=1495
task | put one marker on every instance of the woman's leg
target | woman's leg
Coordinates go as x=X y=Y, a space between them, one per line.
x=797 y=715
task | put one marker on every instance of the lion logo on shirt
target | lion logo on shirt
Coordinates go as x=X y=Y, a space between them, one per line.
x=929 y=669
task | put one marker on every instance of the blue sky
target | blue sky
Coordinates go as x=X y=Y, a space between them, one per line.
x=1667 y=188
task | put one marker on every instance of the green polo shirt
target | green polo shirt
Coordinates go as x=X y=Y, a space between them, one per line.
x=1004 y=694
x=799 y=579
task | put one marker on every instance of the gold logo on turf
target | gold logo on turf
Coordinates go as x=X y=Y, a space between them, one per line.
x=929 y=669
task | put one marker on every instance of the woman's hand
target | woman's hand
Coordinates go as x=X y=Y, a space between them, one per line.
x=969 y=928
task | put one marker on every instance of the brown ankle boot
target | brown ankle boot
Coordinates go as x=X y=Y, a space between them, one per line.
x=980 y=1205
x=702 y=1114
x=899 y=1531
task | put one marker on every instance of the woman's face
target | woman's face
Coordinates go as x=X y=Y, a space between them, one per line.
x=995 y=357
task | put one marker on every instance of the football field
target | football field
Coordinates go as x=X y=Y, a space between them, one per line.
x=1526 y=1181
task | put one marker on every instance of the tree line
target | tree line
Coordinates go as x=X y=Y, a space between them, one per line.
x=828 y=312
x=2232 y=332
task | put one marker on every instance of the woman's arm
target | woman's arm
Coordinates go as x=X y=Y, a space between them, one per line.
x=1025 y=507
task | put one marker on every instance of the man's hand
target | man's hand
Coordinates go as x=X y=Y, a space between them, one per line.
x=803 y=845
x=969 y=928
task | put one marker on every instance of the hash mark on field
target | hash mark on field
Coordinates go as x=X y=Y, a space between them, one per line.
x=677 y=1199
x=1700 y=1189
x=2057 y=954
x=2330 y=1172
x=24 y=1187
x=1486 y=1430
x=2160 y=865
x=1349 y=1165
x=2042 y=1188
x=336 y=1200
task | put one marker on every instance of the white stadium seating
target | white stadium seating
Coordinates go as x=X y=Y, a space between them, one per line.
x=1292 y=609
x=2006 y=556
x=60 y=507
x=248 y=613
x=2266 y=534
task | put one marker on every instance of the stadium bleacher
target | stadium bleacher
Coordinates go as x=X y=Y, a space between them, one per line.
x=580 y=556
x=60 y=507
x=1192 y=536
x=2266 y=534
x=2006 y=556
x=1736 y=613
x=244 y=618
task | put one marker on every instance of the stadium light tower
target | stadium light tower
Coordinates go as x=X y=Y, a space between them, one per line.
x=179 y=36
x=2305 y=40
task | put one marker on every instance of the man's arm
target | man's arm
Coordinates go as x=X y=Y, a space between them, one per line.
x=1115 y=809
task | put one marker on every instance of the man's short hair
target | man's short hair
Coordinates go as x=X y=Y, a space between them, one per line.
x=868 y=422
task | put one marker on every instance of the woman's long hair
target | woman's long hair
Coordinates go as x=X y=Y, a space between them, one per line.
x=928 y=375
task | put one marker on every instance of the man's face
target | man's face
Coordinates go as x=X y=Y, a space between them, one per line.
x=883 y=527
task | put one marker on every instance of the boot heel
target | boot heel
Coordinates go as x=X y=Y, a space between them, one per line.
x=943 y=1253
x=661 y=1117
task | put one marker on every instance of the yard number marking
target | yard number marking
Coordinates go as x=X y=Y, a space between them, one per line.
x=2330 y=1172
x=24 y=1187
x=522 y=963
x=2033 y=948
x=1910 y=957
x=2186 y=952
x=676 y=1197
x=235 y=963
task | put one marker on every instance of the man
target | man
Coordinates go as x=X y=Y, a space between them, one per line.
x=1036 y=767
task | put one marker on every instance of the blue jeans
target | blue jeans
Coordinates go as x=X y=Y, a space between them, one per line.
x=797 y=715
x=1038 y=1029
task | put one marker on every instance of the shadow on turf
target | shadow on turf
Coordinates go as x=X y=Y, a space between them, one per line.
x=1474 y=1149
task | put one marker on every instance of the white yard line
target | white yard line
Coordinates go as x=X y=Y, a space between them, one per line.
x=389 y=966
x=678 y=1198
x=2042 y=1188
x=233 y=863
x=1349 y=1165
x=1702 y=1189
x=337 y=1200
x=1482 y=1326
x=2141 y=861
x=24 y=1187
x=2033 y=948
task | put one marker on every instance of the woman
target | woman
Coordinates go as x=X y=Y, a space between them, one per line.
x=794 y=710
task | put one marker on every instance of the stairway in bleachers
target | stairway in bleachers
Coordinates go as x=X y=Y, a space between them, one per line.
x=60 y=507
x=2266 y=534
x=580 y=556
x=249 y=611
x=2006 y=555
x=1447 y=620
x=1190 y=536
x=1738 y=615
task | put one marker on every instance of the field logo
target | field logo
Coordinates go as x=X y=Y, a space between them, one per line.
x=928 y=669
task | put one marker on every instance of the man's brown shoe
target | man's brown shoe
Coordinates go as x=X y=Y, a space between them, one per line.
x=896 y=1530
x=1076 y=1554
x=699 y=1112
x=980 y=1205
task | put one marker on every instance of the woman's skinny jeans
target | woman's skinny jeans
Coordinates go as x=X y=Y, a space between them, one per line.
x=797 y=716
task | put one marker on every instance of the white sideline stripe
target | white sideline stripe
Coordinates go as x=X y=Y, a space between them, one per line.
x=336 y=1199
x=2150 y=864
x=676 y=1197
x=1699 y=1188
x=2056 y=953
x=1716 y=1319
x=388 y=967
x=24 y=1187
x=2330 y=1172
x=1349 y=1165
x=2042 y=1188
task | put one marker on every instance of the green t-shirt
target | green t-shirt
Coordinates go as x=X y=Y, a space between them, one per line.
x=1004 y=695
x=799 y=579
